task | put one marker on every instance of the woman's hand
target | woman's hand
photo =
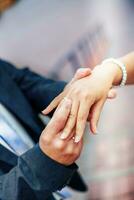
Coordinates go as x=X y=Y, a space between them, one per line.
x=88 y=96
x=80 y=73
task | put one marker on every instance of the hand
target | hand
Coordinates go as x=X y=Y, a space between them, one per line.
x=63 y=151
x=81 y=90
x=80 y=73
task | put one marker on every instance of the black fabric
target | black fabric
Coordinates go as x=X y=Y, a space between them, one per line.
x=77 y=183
x=33 y=176
x=26 y=94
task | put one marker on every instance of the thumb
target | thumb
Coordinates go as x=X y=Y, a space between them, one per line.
x=59 y=119
x=81 y=73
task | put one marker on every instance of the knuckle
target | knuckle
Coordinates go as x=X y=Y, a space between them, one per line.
x=59 y=145
x=85 y=95
x=45 y=140
x=77 y=92
x=69 y=152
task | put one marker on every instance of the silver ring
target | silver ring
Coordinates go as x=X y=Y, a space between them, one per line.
x=66 y=99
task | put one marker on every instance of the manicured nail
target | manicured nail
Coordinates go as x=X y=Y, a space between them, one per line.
x=63 y=135
x=95 y=130
x=80 y=69
x=77 y=139
x=96 y=133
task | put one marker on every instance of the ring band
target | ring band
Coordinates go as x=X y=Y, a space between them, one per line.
x=66 y=99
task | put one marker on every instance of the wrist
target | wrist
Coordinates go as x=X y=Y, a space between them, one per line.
x=120 y=77
x=114 y=72
x=111 y=72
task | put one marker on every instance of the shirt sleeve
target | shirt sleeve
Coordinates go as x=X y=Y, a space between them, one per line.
x=35 y=176
x=39 y=90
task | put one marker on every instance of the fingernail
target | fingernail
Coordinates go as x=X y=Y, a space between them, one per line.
x=77 y=139
x=63 y=135
x=80 y=69
x=96 y=132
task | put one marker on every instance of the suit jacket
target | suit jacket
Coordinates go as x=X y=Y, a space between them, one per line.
x=32 y=175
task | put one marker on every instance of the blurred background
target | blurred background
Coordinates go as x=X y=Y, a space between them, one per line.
x=54 y=38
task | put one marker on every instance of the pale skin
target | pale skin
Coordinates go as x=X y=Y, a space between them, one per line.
x=89 y=94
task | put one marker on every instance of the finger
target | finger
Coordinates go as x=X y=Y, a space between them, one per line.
x=53 y=104
x=77 y=149
x=73 y=148
x=81 y=121
x=81 y=73
x=70 y=140
x=71 y=136
x=95 y=114
x=71 y=120
x=70 y=147
x=60 y=117
x=112 y=94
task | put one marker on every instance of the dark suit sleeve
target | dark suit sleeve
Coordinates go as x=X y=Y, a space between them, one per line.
x=40 y=91
x=35 y=177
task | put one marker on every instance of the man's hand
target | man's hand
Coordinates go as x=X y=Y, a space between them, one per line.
x=65 y=152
